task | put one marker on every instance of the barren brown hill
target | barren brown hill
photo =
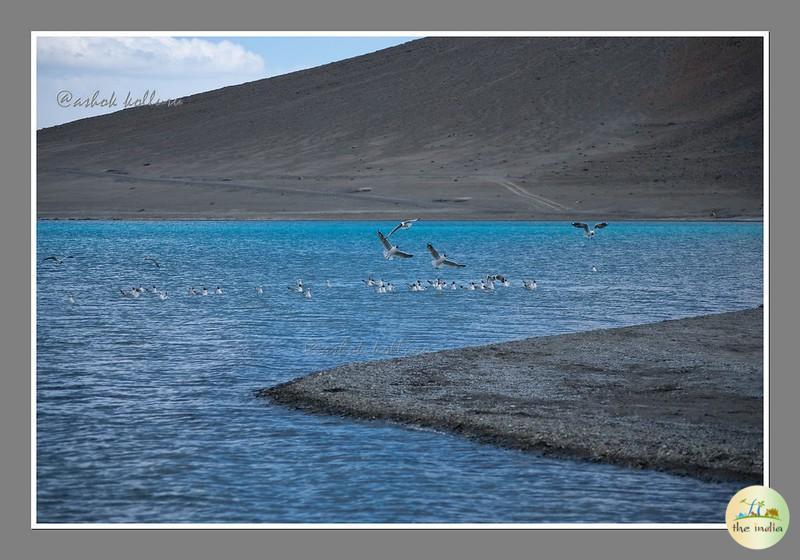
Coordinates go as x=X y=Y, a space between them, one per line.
x=497 y=128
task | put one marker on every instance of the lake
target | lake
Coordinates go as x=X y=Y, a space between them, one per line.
x=146 y=409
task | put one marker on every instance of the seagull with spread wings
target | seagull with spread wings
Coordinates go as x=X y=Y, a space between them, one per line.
x=391 y=251
x=151 y=259
x=56 y=259
x=440 y=260
x=405 y=224
x=585 y=227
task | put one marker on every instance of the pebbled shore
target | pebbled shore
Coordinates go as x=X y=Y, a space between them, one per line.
x=682 y=396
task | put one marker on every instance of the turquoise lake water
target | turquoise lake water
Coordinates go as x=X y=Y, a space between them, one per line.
x=146 y=409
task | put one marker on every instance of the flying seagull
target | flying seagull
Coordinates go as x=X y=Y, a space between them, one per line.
x=439 y=261
x=405 y=224
x=392 y=251
x=56 y=259
x=589 y=232
x=155 y=262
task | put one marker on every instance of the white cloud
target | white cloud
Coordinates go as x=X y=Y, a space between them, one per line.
x=172 y=67
x=152 y=56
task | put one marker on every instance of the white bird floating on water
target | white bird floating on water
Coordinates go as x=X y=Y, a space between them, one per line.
x=589 y=232
x=218 y=291
x=308 y=293
x=384 y=287
x=594 y=269
x=390 y=251
x=405 y=224
x=440 y=260
x=71 y=300
x=529 y=284
x=417 y=287
x=259 y=290
x=298 y=288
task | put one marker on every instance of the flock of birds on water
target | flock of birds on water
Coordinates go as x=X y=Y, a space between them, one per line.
x=438 y=260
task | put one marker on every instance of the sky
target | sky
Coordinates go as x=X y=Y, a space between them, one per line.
x=79 y=77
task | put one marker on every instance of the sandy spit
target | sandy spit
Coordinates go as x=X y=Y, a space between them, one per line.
x=682 y=396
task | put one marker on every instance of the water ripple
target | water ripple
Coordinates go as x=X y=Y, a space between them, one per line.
x=145 y=407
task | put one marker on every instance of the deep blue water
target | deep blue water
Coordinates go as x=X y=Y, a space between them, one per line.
x=146 y=412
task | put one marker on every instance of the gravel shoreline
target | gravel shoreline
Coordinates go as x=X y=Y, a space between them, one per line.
x=682 y=396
